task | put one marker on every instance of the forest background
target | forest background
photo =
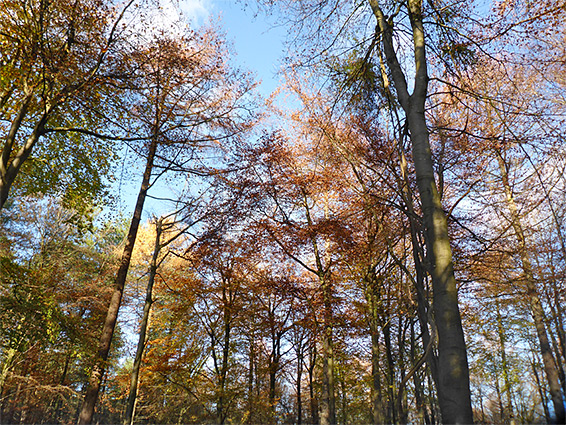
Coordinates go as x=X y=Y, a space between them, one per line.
x=378 y=238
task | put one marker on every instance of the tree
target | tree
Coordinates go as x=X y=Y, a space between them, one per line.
x=53 y=291
x=62 y=62
x=186 y=99
x=453 y=377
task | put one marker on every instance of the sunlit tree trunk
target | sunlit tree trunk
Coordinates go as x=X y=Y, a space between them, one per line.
x=453 y=375
x=533 y=295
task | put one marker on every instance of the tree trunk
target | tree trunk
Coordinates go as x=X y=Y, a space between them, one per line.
x=134 y=378
x=10 y=166
x=312 y=400
x=509 y=417
x=542 y=394
x=99 y=367
x=376 y=397
x=391 y=413
x=328 y=404
x=453 y=375
x=533 y=296
x=251 y=365
x=300 y=349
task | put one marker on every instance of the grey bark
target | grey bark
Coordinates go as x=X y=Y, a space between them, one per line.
x=453 y=375
x=533 y=296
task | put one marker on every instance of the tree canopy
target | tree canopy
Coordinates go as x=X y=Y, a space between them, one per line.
x=380 y=241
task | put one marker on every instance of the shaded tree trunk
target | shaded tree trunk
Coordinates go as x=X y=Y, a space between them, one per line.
x=134 y=377
x=533 y=295
x=312 y=400
x=99 y=367
x=328 y=407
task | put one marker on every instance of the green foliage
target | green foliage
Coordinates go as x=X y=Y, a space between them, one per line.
x=359 y=80
x=53 y=292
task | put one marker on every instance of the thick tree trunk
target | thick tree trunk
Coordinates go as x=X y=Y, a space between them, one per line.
x=453 y=375
x=534 y=299
x=99 y=367
x=134 y=377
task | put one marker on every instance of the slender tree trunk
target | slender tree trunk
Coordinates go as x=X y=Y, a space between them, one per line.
x=423 y=307
x=542 y=394
x=509 y=417
x=312 y=400
x=391 y=413
x=221 y=406
x=274 y=368
x=328 y=405
x=372 y=296
x=10 y=165
x=299 y=347
x=421 y=408
x=251 y=365
x=134 y=377
x=99 y=367
x=533 y=296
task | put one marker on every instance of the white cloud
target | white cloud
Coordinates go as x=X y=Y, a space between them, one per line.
x=195 y=11
x=167 y=16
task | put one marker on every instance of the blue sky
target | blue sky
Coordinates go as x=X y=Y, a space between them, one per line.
x=257 y=41
x=257 y=46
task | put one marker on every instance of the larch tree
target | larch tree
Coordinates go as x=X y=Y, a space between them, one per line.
x=186 y=98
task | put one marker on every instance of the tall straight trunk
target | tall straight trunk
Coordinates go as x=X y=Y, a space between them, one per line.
x=533 y=295
x=99 y=367
x=421 y=408
x=453 y=374
x=251 y=365
x=313 y=402
x=373 y=298
x=423 y=307
x=510 y=418
x=134 y=377
x=274 y=364
x=376 y=396
x=391 y=413
x=222 y=371
x=328 y=399
x=542 y=394
x=328 y=404
x=300 y=353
